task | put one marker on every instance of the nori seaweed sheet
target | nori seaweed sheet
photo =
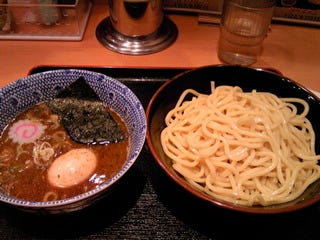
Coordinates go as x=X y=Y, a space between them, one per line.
x=79 y=89
x=84 y=116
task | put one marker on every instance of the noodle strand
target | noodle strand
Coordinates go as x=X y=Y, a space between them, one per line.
x=248 y=148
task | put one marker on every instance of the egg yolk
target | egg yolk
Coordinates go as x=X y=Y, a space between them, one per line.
x=72 y=168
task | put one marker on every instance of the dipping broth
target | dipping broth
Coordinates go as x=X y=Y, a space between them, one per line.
x=35 y=139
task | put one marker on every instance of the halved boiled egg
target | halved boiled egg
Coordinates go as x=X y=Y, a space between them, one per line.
x=72 y=168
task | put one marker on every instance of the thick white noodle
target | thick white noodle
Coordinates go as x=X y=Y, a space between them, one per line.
x=248 y=148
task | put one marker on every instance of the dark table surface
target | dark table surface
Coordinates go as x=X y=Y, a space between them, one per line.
x=146 y=204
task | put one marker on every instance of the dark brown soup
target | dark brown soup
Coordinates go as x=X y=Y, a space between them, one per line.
x=34 y=140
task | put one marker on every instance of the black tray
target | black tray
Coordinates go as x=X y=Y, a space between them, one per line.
x=148 y=205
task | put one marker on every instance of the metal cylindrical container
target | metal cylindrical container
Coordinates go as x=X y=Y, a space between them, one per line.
x=136 y=17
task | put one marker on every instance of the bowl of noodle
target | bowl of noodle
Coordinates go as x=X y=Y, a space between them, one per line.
x=241 y=138
x=67 y=138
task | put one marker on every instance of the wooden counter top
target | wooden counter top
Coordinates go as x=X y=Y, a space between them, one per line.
x=293 y=50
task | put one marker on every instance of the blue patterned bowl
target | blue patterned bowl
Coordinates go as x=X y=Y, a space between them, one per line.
x=28 y=91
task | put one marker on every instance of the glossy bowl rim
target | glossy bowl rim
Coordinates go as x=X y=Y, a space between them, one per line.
x=201 y=195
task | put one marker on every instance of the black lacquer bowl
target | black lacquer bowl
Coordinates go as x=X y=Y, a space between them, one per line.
x=248 y=79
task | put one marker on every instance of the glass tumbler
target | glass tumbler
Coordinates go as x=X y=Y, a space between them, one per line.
x=244 y=25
